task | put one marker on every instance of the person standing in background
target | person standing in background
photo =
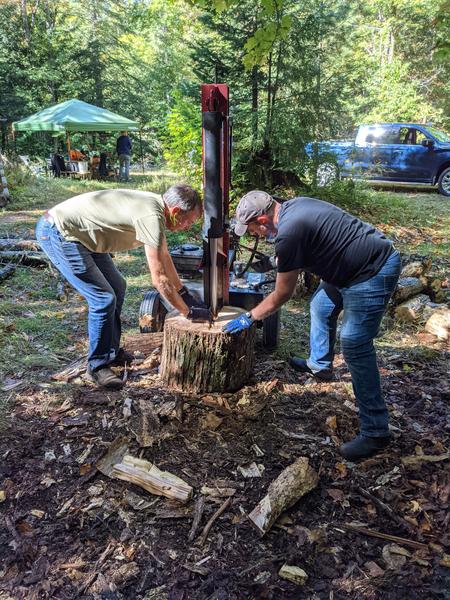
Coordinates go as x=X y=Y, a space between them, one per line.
x=123 y=148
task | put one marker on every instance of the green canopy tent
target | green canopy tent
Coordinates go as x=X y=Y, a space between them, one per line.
x=75 y=115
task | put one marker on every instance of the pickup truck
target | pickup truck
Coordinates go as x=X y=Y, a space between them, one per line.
x=388 y=153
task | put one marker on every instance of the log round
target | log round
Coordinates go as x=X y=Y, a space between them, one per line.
x=198 y=358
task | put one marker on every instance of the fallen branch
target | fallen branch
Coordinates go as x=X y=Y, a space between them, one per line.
x=291 y=484
x=7 y=272
x=198 y=513
x=29 y=259
x=16 y=244
x=384 y=536
x=210 y=523
x=384 y=508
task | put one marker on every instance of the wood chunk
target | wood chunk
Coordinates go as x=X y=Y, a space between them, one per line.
x=439 y=323
x=145 y=424
x=201 y=358
x=145 y=343
x=407 y=287
x=117 y=450
x=148 y=476
x=416 y=268
x=412 y=309
x=294 y=574
x=73 y=369
x=292 y=483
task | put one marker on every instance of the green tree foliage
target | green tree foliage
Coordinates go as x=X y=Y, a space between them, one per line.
x=297 y=71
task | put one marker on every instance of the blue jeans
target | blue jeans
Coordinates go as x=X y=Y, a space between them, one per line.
x=96 y=278
x=364 y=305
x=124 y=167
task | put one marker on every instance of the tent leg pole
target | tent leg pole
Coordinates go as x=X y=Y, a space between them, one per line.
x=68 y=145
x=142 y=154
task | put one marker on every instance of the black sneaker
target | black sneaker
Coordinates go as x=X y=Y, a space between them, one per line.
x=300 y=364
x=123 y=357
x=364 y=447
x=105 y=377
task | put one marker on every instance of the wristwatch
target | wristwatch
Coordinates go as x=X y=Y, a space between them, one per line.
x=249 y=316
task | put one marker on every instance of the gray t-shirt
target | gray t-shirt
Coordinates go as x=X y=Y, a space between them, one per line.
x=112 y=220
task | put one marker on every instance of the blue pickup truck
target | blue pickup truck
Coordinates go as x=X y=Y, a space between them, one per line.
x=388 y=153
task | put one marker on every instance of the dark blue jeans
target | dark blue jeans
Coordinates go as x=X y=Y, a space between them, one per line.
x=96 y=278
x=364 y=305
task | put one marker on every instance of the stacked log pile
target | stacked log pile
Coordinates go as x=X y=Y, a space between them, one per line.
x=420 y=297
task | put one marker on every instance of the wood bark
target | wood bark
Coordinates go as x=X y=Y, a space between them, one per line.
x=407 y=287
x=412 y=309
x=306 y=284
x=199 y=358
x=439 y=323
x=416 y=268
x=30 y=259
x=291 y=484
x=17 y=244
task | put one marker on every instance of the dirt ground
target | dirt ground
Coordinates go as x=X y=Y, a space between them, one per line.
x=71 y=532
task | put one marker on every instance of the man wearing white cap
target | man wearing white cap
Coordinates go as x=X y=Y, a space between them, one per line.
x=359 y=269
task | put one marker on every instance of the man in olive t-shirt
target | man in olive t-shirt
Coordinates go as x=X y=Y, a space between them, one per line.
x=78 y=236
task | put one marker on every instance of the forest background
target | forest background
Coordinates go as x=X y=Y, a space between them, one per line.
x=298 y=71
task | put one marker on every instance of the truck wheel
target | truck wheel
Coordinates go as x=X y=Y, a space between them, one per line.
x=326 y=174
x=152 y=313
x=444 y=182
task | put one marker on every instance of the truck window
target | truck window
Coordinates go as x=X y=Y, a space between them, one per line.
x=382 y=135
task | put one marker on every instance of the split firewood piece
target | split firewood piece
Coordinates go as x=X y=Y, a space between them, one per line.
x=416 y=268
x=145 y=343
x=116 y=452
x=407 y=287
x=74 y=369
x=412 y=309
x=148 y=476
x=291 y=484
x=439 y=323
x=293 y=573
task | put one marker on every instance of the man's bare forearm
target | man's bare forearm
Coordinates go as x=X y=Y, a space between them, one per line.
x=284 y=288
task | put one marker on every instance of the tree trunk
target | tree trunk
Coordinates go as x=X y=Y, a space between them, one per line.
x=198 y=358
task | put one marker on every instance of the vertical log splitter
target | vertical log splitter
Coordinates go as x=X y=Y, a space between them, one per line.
x=225 y=281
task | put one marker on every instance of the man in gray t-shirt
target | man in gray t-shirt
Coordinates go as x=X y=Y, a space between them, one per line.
x=78 y=236
x=359 y=269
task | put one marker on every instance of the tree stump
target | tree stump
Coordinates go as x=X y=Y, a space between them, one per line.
x=198 y=358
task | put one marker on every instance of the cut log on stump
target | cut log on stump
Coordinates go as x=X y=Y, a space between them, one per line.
x=439 y=323
x=412 y=309
x=407 y=287
x=291 y=484
x=199 y=358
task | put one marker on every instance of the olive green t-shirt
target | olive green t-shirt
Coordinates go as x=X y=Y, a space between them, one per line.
x=112 y=220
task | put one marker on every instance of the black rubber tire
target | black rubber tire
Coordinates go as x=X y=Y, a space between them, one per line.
x=152 y=306
x=444 y=182
x=271 y=330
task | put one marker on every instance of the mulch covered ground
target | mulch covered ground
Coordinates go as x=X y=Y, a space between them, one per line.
x=71 y=532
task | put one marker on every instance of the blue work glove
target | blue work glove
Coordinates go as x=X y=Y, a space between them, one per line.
x=200 y=315
x=191 y=299
x=239 y=324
